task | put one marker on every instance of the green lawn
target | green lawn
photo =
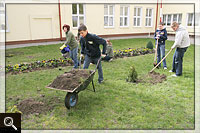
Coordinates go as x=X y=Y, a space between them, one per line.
x=116 y=104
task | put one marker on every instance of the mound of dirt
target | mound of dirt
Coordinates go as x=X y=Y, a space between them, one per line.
x=156 y=77
x=31 y=106
x=70 y=80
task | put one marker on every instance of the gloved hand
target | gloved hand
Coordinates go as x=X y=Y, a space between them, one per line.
x=62 y=47
x=172 y=47
x=158 y=36
x=103 y=55
x=82 y=55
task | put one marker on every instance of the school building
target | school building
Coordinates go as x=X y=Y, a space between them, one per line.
x=39 y=22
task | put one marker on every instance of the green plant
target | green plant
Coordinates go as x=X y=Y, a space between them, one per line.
x=132 y=75
x=149 y=45
x=13 y=109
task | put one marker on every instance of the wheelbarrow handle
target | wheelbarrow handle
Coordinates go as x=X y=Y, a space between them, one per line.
x=80 y=63
x=97 y=63
x=161 y=60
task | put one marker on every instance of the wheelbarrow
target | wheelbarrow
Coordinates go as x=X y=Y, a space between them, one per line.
x=71 y=97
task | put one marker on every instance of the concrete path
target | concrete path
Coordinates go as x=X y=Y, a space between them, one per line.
x=56 y=42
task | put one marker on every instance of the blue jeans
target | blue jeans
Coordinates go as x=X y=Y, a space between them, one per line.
x=87 y=62
x=178 y=60
x=73 y=54
x=161 y=53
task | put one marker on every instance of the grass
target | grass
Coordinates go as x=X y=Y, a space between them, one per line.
x=116 y=104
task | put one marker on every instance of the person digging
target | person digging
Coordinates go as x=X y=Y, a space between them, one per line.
x=182 y=42
x=161 y=36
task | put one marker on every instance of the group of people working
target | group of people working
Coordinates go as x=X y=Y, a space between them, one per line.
x=89 y=49
x=182 y=42
x=92 y=54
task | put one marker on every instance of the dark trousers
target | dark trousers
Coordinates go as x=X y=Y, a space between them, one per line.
x=89 y=60
x=178 y=60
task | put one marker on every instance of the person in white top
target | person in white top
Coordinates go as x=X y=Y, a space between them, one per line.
x=182 y=42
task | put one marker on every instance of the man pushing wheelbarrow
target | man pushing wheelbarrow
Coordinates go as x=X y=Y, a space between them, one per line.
x=90 y=49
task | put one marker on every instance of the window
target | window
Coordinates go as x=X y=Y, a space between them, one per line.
x=164 y=19
x=190 y=19
x=177 y=18
x=149 y=15
x=197 y=20
x=78 y=15
x=169 y=18
x=124 y=16
x=137 y=16
x=3 y=20
x=108 y=15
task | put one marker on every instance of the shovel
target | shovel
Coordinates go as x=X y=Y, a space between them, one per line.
x=154 y=64
x=161 y=60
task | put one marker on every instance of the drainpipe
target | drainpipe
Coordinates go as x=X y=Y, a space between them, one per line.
x=156 y=16
x=60 y=20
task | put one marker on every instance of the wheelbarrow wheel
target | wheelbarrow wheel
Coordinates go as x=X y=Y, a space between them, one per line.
x=71 y=100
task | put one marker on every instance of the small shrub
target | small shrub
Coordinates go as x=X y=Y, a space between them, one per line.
x=149 y=45
x=132 y=75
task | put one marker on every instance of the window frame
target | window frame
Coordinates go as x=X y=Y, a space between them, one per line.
x=137 y=16
x=108 y=15
x=197 y=21
x=147 y=17
x=193 y=22
x=172 y=18
x=123 y=15
x=3 y=15
x=78 y=15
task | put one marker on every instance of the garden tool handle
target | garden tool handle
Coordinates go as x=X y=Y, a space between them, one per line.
x=97 y=64
x=161 y=60
x=80 y=62
x=156 y=50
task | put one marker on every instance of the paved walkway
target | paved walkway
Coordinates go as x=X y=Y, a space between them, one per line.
x=56 y=42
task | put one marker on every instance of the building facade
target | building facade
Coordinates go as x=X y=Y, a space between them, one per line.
x=43 y=22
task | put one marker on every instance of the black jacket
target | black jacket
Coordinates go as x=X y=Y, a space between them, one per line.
x=90 y=45
x=163 y=36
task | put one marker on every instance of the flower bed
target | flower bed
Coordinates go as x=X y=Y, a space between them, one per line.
x=53 y=63
x=132 y=52
x=38 y=65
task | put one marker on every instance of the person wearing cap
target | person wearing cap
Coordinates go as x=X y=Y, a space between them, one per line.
x=161 y=35
x=90 y=49
x=73 y=44
x=182 y=42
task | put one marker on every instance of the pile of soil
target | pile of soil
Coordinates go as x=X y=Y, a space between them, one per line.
x=156 y=77
x=70 y=80
x=30 y=106
x=152 y=78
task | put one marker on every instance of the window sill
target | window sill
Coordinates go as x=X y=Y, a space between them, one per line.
x=107 y=27
x=124 y=27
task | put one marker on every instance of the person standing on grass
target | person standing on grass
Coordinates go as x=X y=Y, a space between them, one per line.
x=109 y=51
x=73 y=44
x=90 y=49
x=182 y=42
x=161 y=35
